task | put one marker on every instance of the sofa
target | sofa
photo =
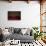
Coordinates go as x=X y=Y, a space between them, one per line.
x=22 y=34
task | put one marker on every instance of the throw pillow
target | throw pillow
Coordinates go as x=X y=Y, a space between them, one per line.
x=17 y=30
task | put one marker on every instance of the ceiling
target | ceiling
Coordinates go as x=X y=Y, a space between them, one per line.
x=25 y=0
x=21 y=0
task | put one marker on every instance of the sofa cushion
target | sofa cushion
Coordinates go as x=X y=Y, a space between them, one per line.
x=17 y=30
x=20 y=37
x=23 y=30
x=11 y=29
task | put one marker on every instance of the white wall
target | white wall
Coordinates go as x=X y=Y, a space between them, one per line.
x=30 y=14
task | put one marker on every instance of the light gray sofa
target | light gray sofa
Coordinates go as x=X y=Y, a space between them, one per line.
x=17 y=35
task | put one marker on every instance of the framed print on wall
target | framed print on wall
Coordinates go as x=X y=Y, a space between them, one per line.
x=14 y=15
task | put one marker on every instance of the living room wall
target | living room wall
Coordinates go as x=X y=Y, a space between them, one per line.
x=30 y=14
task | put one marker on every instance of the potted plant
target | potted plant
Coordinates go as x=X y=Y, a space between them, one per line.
x=37 y=33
